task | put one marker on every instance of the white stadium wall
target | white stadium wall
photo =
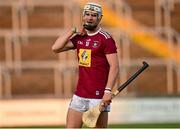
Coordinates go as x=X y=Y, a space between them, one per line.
x=45 y=112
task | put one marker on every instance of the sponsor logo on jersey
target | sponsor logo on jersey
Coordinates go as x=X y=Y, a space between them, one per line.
x=84 y=57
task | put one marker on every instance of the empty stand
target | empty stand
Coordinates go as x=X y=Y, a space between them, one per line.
x=46 y=17
x=38 y=48
x=143 y=11
x=137 y=51
x=33 y=82
x=28 y=28
x=146 y=87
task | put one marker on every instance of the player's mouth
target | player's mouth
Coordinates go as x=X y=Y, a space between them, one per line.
x=89 y=23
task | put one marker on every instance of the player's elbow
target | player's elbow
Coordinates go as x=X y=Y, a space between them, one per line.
x=55 y=49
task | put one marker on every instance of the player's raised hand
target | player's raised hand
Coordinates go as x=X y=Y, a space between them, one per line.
x=80 y=30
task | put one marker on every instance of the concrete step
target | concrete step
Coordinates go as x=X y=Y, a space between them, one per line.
x=6 y=17
x=46 y=17
x=33 y=82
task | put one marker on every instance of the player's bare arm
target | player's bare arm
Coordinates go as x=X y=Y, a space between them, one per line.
x=113 y=73
x=63 y=43
x=114 y=69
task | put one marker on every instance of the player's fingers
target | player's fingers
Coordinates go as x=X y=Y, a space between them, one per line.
x=107 y=102
x=83 y=32
x=102 y=106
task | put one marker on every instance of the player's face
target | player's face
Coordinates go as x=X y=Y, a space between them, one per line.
x=90 y=20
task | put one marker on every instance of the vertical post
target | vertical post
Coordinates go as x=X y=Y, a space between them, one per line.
x=7 y=85
x=66 y=17
x=167 y=21
x=1 y=83
x=178 y=79
x=158 y=16
x=15 y=18
x=76 y=15
x=57 y=82
x=24 y=21
x=126 y=57
x=67 y=14
x=17 y=53
x=67 y=83
x=16 y=32
x=8 y=50
x=178 y=66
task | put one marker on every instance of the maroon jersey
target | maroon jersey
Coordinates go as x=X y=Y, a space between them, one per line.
x=93 y=65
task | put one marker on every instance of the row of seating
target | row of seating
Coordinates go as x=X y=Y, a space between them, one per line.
x=28 y=67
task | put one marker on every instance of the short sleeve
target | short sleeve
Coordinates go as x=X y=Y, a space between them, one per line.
x=74 y=41
x=110 y=46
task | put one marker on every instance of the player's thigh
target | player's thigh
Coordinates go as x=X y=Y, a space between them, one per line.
x=74 y=119
x=103 y=120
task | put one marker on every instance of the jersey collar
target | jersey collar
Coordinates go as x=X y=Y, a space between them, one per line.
x=92 y=34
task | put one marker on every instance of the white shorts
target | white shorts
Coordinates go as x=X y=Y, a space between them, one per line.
x=83 y=104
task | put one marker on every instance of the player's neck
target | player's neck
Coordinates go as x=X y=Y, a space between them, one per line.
x=93 y=31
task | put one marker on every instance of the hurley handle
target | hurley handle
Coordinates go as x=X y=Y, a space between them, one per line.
x=136 y=74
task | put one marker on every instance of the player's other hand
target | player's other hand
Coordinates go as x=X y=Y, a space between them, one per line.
x=106 y=100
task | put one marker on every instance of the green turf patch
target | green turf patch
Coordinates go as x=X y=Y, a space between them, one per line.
x=144 y=125
x=147 y=125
